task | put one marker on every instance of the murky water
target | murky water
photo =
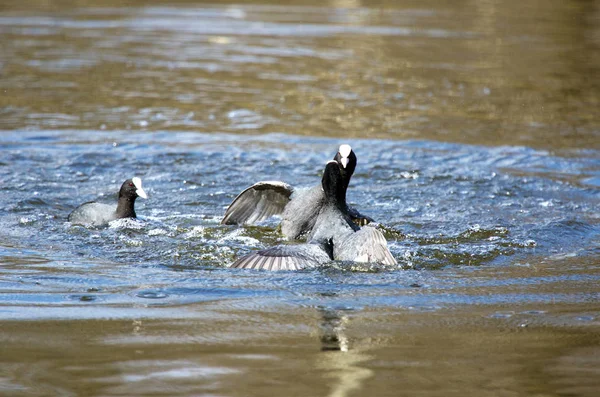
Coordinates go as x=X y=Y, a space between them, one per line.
x=477 y=133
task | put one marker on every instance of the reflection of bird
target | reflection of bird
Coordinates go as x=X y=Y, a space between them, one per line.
x=298 y=207
x=333 y=337
x=339 y=360
x=95 y=214
x=333 y=236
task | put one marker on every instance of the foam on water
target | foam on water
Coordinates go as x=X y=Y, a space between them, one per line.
x=470 y=206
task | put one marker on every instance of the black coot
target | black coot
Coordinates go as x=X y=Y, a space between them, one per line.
x=298 y=207
x=334 y=236
x=96 y=214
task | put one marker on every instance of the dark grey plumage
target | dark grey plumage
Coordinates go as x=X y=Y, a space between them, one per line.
x=367 y=245
x=298 y=207
x=287 y=257
x=95 y=214
x=258 y=202
x=350 y=241
x=334 y=236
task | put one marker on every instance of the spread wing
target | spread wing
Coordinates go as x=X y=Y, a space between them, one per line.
x=366 y=245
x=258 y=202
x=284 y=257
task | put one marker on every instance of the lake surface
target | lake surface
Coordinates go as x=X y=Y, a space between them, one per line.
x=477 y=133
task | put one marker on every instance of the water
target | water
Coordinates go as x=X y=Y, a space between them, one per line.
x=476 y=131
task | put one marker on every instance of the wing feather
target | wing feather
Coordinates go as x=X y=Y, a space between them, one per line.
x=366 y=245
x=258 y=202
x=284 y=257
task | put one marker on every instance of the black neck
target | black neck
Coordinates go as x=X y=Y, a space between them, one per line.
x=334 y=186
x=125 y=207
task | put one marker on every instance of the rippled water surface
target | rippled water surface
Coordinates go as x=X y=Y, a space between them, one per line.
x=477 y=135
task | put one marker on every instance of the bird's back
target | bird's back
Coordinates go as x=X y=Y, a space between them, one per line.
x=300 y=214
x=93 y=214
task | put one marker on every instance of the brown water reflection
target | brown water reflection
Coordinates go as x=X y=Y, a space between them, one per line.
x=475 y=72
x=447 y=353
x=257 y=347
x=486 y=72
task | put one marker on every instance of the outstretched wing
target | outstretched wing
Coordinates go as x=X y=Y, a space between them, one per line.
x=258 y=202
x=285 y=257
x=367 y=245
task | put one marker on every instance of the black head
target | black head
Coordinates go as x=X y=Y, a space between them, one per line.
x=132 y=189
x=333 y=184
x=346 y=159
